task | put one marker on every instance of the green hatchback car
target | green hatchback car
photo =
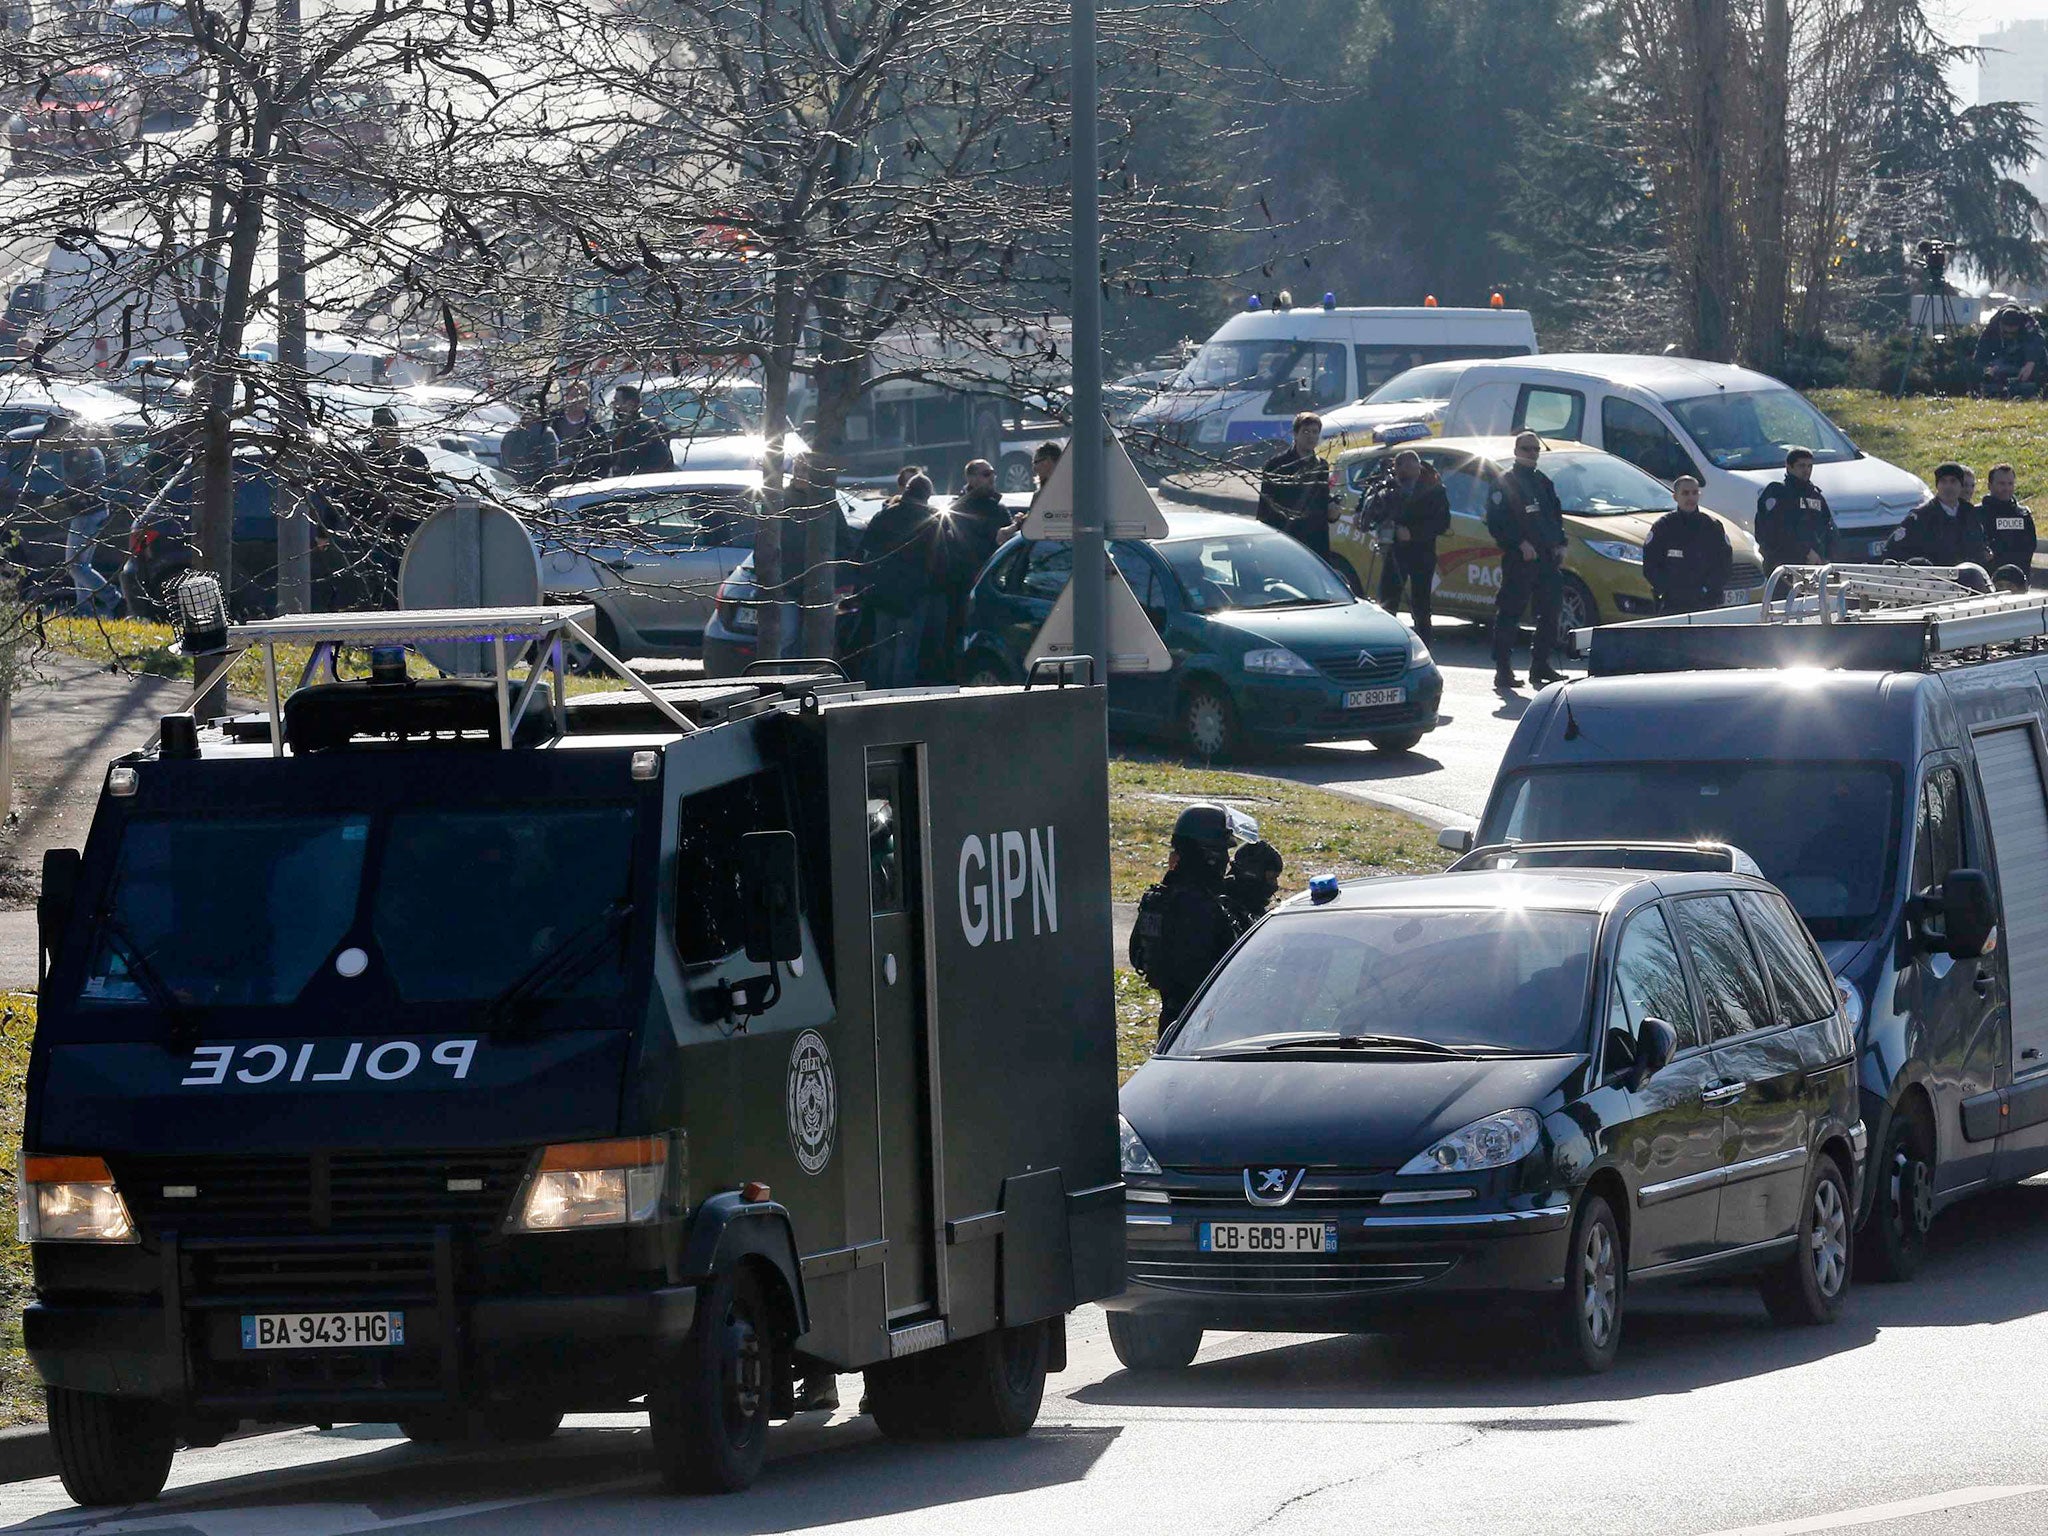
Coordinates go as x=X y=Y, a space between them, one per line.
x=1269 y=646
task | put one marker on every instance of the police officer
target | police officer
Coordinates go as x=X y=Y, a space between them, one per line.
x=1253 y=882
x=1793 y=523
x=1688 y=558
x=2008 y=526
x=1294 y=495
x=1183 y=927
x=1945 y=531
x=1527 y=520
x=1415 y=511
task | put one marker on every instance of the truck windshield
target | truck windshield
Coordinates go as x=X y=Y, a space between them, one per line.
x=445 y=906
x=1490 y=981
x=1824 y=833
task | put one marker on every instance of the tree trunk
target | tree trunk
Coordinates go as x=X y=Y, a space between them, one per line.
x=1766 y=350
x=778 y=363
x=1712 y=266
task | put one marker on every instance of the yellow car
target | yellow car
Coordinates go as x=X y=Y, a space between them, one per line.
x=1609 y=506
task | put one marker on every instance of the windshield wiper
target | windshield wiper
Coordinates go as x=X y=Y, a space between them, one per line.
x=184 y=1028
x=1330 y=1040
x=574 y=954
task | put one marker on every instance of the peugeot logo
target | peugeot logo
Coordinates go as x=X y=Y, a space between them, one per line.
x=1271 y=1186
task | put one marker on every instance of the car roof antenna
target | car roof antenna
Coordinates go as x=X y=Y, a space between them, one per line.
x=1571 y=721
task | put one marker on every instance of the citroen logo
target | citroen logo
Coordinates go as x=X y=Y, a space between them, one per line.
x=1271 y=1186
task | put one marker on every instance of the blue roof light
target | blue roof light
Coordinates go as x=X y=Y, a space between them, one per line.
x=1323 y=888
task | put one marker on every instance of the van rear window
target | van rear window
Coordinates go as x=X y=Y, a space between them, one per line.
x=1826 y=834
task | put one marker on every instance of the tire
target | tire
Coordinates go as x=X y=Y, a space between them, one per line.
x=988 y=1387
x=1589 y=1317
x=520 y=1423
x=984 y=671
x=1400 y=741
x=435 y=1429
x=1893 y=1242
x=1578 y=610
x=711 y=1422
x=1014 y=475
x=1151 y=1343
x=579 y=660
x=1806 y=1290
x=1208 y=723
x=110 y=1450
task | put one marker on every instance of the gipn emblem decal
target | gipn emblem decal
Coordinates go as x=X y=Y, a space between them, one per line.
x=812 y=1102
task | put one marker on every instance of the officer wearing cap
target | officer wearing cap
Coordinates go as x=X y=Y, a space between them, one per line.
x=1253 y=882
x=1183 y=925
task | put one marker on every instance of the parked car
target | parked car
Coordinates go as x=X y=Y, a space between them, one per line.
x=156 y=39
x=1409 y=405
x=1609 y=505
x=1670 y=416
x=350 y=122
x=1268 y=644
x=95 y=109
x=1540 y=1084
x=732 y=640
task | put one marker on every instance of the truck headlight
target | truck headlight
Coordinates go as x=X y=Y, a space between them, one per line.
x=1614 y=549
x=71 y=1200
x=1277 y=661
x=583 y=1184
x=1494 y=1142
x=1131 y=1149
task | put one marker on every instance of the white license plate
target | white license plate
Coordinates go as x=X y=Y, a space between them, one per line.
x=322 y=1330
x=1366 y=698
x=1734 y=597
x=1268 y=1237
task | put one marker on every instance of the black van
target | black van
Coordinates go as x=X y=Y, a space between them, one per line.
x=1890 y=781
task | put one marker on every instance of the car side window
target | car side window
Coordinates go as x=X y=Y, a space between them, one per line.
x=1731 y=981
x=1046 y=570
x=1140 y=575
x=1629 y=432
x=1649 y=983
x=1938 y=837
x=1551 y=412
x=1804 y=991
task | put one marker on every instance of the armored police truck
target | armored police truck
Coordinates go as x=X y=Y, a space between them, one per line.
x=1876 y=742
x=452 y=1051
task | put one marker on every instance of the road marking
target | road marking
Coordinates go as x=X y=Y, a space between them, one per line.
x=320 y=1519
x=1933 y=1503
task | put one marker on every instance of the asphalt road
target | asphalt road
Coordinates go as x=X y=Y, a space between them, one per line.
x=1920 y=1411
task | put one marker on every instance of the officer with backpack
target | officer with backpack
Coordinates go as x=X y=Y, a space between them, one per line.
x=1184 y=926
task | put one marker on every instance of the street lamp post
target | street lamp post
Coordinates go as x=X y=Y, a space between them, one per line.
x=1087 y=445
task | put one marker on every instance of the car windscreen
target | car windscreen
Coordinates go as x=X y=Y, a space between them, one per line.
x=1600 y=485
x=1487 y=981
x=1756 y=428
x=1251 y=570
x=1824 y=833
x=1264 y=364
x=445 y=905
x=1432 y=381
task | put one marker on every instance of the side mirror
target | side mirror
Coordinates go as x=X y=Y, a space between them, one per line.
x=1655 y=1047
x=768 y=883
x=1456 y=839
x=57 y=897
x=1969 y=914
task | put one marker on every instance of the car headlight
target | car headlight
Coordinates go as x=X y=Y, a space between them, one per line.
x=1852 y=1002
x=1494 y=1142
x=1277 y=661
x=1614 y=549
x=1131 y=1150
x=583 y=1184
x=71 y=1200
x=1418 y=653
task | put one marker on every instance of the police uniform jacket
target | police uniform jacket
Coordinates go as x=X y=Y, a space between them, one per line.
x=1294 y=496
x=1688 y=559
x=1792 y=518
x=1523 y=509
x=1933 y=534
x=2009 y=530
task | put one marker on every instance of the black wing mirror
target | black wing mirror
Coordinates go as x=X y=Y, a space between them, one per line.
x=55 y=901
x=1969 y=914
x=768 y=881
x=1656 y=1044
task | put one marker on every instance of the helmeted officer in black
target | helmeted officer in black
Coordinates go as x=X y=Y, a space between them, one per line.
x=1944 y=531
x=1253 y=882
x=1793 y=523
x=1527 y=521
x=2008 y=526
x=1688 y=558
x=1183 y=926
x=1413 y=513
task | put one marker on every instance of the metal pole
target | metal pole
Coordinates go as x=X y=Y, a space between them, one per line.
x=1089 y=637
x=294 y=527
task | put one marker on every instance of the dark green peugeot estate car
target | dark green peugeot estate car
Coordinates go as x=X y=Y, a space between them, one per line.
x=1551 y=1073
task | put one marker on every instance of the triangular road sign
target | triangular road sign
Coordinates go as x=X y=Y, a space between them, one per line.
x=1129 y=511
x=1133 y=644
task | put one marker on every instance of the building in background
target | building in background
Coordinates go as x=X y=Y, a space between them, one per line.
x=2014 y=67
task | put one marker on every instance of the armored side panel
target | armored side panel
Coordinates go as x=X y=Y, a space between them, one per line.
x=970 y=934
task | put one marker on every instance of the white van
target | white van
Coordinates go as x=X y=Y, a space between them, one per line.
x=1263 y=366
x=1676 y=416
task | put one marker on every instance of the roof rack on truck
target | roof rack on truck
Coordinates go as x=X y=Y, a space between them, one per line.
x=1888 y=618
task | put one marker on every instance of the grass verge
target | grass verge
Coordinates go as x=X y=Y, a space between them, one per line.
x=21 y=1395
x=1920 y=432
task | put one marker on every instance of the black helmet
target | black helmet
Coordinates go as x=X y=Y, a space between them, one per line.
x=1259 y=859
x=1204 y=826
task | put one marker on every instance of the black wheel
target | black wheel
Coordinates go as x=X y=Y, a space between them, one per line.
x=110 y=1450
x=1014 y=474
x=1893 y=1243
x=984 y=671
x=711 y=1422
x=1578 y=609
x=1208 y=723
x=1808 y=1287
x=581 y=660
x=1151 y=1343
x=1400 y=741
x=984 y=1388
x=1595 y=1289
x=435 y=1429
x=520 y=1423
